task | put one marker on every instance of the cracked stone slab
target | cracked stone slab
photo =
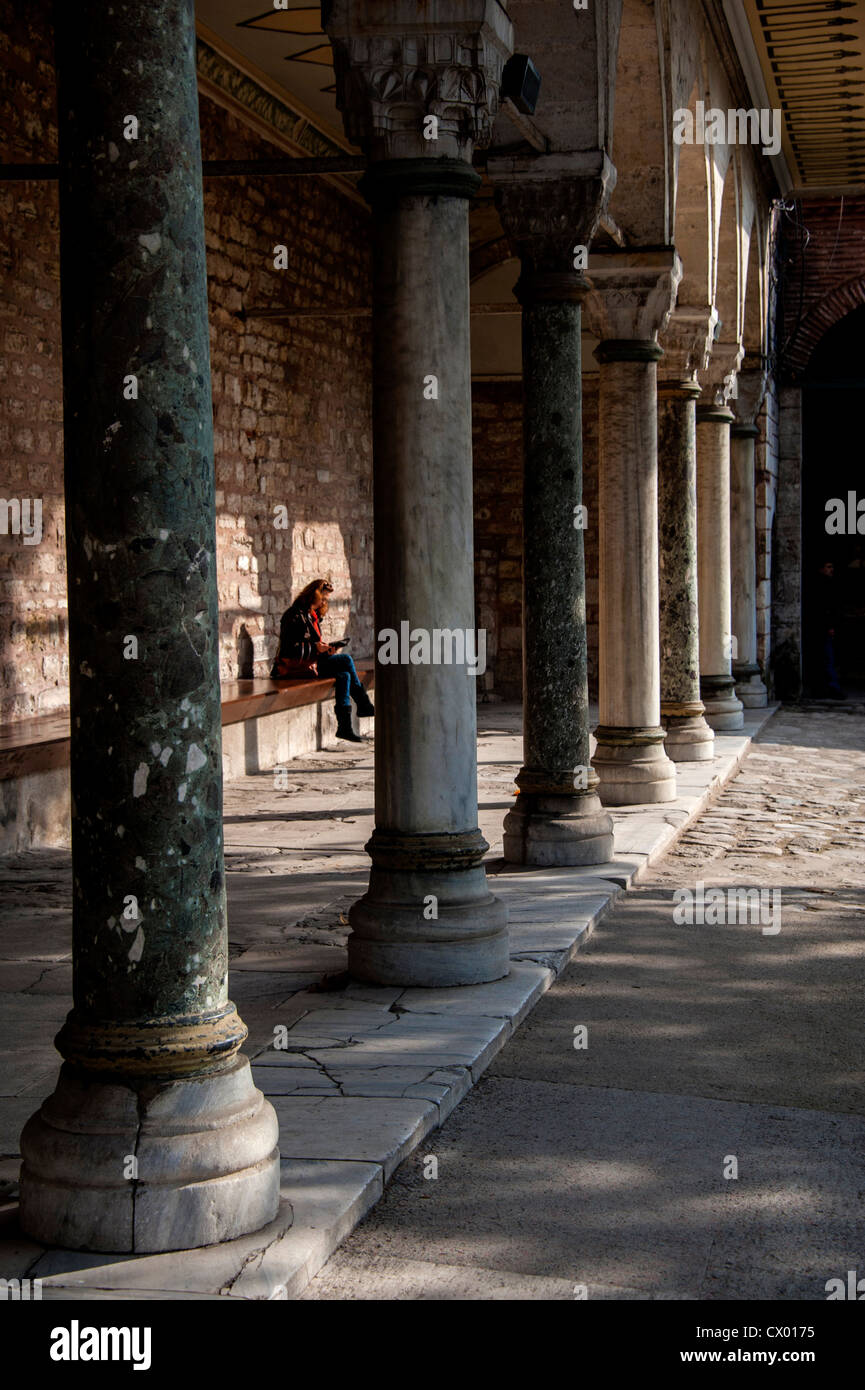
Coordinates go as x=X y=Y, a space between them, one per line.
x=509 y=998
x=359 y=1129
x=445 y=1087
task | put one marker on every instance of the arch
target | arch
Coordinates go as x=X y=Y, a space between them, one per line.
x=830 y=310
x=641 y=200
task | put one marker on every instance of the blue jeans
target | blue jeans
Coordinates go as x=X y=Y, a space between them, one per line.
x=347 y=684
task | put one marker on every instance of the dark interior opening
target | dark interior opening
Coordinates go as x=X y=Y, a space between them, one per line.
x=833 y=446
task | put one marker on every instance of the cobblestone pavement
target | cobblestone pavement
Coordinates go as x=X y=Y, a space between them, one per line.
x=708 y=1142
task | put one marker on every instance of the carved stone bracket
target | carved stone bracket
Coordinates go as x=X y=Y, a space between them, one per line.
x=632 y=293
x=720 y=384
x=750 y=390
x=398 y=62
x=551 y=204
x=687 y=344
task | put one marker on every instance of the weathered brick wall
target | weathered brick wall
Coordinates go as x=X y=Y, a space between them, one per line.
x=497 y=435
x=787 y=547
x=592 y=532
x=292 y=400
x=766 y=480
x=822 y=274
x=497 y=444
x=33 y=667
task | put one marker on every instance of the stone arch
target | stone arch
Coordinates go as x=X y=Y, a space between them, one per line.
x=641 y=202
x=756 y=288
x=830 y=310
x=693 y=227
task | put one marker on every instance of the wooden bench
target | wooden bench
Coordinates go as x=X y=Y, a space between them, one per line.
x=41 y=744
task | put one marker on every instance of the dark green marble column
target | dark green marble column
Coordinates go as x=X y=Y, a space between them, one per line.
x=688 y=737
x=152 y=1067
x=558 y=818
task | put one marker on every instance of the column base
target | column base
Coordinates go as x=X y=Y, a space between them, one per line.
x=558 y=829
x=396 y=939
x=689 y=738
x=749 y=686
x=152 y=1166
x=633 y=767
x=723 y=710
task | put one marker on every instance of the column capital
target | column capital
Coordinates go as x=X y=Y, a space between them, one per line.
x=398 y=62
x=750 y=390
x=687 y=343
x=719 y=386
x=631 y=295
x=549 y=204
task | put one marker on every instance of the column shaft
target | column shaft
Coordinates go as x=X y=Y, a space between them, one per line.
x=630 y=755
x=151 y=1045
x=689 y=738
x=558 y=817
x=743 y=544
x=723 y=709
x=428 y=917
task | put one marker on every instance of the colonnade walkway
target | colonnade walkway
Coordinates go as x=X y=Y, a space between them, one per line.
x=607 y=1172
x=361 y=1075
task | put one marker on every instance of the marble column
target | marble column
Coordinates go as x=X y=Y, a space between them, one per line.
x=155 y=1137
x=685 y=343
x=428 y=917
x=743 y=538
x=632 y=295
x=723 y=709
x=558 y=818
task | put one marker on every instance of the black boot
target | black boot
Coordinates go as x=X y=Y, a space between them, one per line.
x=363 y=705
x=343 y=724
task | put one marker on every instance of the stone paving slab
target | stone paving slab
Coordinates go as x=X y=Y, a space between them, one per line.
x=362 y=1074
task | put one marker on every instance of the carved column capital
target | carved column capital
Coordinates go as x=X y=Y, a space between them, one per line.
x=398 y=62
x=548 y=206
x=750 y=389
x=632 y=294
x=687 y=343
x=719 y=387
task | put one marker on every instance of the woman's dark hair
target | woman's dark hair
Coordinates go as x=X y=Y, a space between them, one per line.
x=306 y=596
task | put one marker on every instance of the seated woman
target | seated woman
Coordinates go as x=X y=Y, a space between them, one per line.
x=304 y=655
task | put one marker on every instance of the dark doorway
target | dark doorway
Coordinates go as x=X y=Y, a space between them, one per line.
x=833 y=472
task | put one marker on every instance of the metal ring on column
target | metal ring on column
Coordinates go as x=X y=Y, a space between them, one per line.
x=679 y=390
x=155 y=1047
x=401 y=852
x=717 y=414
x=389 y=179
x=551 y=287
x=615 y=736
x=629 y=350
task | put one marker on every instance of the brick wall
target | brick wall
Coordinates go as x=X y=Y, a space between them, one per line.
x=592 y=533
x=497 y=435
x=822 y=273
x=33 y=668
x=787 y=568
x=766 y=497
x=292 y=401
x=497 y=444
